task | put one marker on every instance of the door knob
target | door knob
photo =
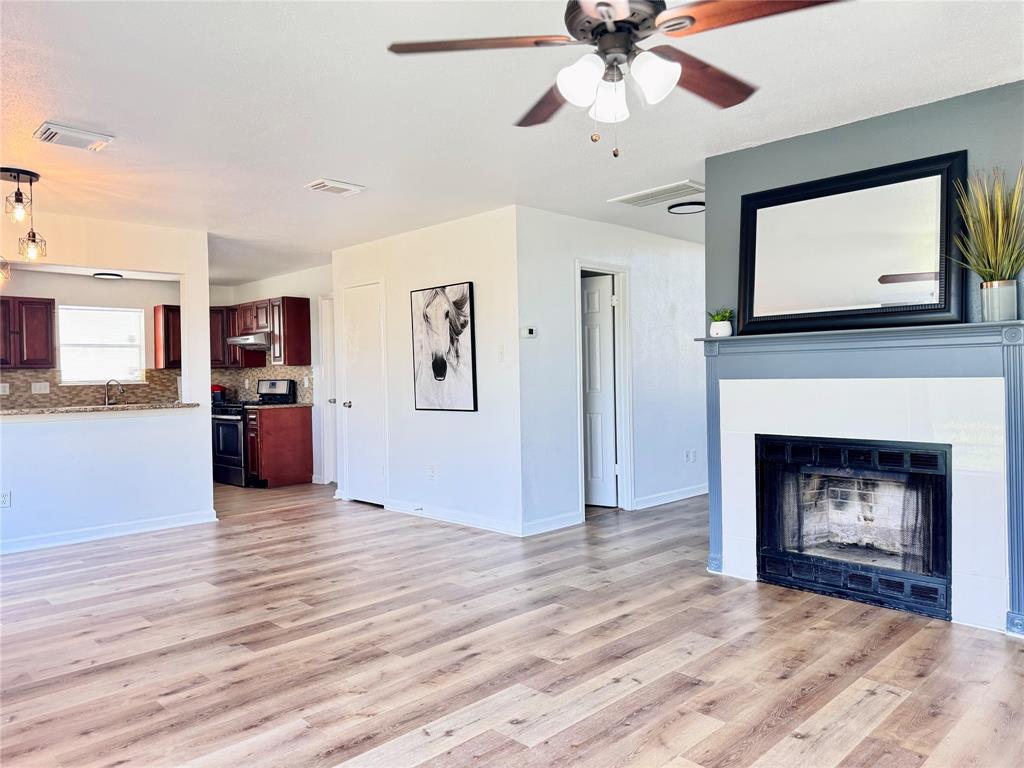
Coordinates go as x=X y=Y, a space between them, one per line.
x=331 y=400
x=347 y=404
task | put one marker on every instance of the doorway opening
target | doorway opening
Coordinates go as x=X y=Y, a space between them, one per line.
x=602 y=341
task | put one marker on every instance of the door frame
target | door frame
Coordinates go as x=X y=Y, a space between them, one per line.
x=342 y=426
x=328 y=368
x=623 y=381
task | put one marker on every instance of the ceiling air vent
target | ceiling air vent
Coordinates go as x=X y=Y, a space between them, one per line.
x=664 y=194
x=52 y=133
x=342 y=188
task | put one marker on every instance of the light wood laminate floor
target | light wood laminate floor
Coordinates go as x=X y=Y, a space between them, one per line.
x=231 y=500
x=333 y=633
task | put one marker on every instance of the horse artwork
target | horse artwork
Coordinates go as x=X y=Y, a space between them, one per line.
x=443 y=348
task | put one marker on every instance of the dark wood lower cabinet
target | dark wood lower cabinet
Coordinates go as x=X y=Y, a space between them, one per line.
x=279 y=446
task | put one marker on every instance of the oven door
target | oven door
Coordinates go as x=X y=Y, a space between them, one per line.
x=228 y=450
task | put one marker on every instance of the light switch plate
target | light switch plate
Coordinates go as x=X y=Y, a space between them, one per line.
x=529 y=332
x=5 y=388
x=40 y=387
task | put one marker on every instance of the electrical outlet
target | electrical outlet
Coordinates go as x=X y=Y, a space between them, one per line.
x=40 y=387
x=5 y=388
x=305 y=381
x=5 y=499
x=432 y=472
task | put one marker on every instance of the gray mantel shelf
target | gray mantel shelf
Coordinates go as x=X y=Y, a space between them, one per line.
x=956 y=350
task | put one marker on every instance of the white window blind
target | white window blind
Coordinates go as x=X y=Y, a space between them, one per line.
x=101 y=343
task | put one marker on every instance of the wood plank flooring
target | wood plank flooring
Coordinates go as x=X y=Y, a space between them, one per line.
x=326 y=633
x=231 y=500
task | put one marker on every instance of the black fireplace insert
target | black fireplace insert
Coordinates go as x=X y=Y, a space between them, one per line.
x=865 y=520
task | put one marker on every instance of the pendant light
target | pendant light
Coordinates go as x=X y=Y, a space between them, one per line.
x=18 y=205
x=5 y=270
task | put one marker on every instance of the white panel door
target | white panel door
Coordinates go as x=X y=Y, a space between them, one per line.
x=362 y=393
x=598 y=391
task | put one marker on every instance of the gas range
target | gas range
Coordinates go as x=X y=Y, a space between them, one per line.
x=229 y=428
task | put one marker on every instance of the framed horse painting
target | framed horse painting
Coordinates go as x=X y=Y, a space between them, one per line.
x=444 y=348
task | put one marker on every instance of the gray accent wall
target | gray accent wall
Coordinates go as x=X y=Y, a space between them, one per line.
x=989 y=124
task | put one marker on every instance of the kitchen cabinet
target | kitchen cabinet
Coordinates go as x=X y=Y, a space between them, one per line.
x=254 y=317
x=289 y=331
x=167 y=336
x=220 y=350
x=27 y=338
x=279 y=445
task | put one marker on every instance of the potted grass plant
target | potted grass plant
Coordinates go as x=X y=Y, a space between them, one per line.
x=992 y=243
x=721 y=322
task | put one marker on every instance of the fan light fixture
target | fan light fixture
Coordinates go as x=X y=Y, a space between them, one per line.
x=578 y=82
x=18 y=206
x=610 y=106
x=590 y=82
x=657 y=77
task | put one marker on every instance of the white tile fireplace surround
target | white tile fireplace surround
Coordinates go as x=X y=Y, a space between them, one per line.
x=967 y=413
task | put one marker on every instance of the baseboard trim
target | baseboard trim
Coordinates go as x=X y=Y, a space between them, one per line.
x=552 y=523
x=454 y=516
x=111 y=530
x=657 y=499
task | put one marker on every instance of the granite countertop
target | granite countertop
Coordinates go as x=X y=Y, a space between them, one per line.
x=280 y=405
x=93 y=408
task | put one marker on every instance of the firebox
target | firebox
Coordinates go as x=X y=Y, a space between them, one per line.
x=865 y=520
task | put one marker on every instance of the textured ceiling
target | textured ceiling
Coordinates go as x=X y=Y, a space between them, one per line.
x=223 y=111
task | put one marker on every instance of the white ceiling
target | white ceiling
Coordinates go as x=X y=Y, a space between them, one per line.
x=223 y=111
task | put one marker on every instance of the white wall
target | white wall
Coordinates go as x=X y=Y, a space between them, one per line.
x=477 y=454
x=666 y=312
x=87 y=291
x=60 y=493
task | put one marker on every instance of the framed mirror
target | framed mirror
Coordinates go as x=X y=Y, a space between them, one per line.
x=862 y=250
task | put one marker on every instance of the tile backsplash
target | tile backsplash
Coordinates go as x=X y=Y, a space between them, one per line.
x=241 y=382
x=161 y=386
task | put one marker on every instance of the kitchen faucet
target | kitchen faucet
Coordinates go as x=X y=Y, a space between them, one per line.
x=120 y=389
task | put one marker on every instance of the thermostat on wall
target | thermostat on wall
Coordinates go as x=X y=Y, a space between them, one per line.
x=529 y=332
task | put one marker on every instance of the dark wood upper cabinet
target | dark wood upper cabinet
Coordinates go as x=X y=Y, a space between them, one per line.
x=261 y=313
x=220 y=350
x=167 y=336
x=27 y=337
x=289 y=331
x=245 y=315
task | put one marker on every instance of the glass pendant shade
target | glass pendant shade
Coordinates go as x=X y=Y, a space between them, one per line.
x=32 y=247
x=5 y=270
x=655 y=76
x=578 y=82
x=610 y=106
x=16 y=206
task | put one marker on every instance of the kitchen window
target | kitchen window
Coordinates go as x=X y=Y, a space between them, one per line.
x=101 y=343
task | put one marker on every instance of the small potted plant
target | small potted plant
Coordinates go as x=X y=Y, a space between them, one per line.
x=721 y=322
x=993 y=244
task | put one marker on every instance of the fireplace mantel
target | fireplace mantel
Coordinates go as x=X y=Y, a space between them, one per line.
x=935 y=351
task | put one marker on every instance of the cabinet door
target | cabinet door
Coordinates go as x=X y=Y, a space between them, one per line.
x=276 y=332
x=34 y=319
x=252 y=450
x=246 y=319
x=8 y=338
x=167 y=336
x=261 y=313
x=219 y=352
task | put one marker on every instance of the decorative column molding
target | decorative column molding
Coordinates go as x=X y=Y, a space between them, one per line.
x=714 y=459
x=1013 y=374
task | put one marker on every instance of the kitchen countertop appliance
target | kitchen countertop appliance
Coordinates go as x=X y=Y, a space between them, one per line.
x=229 y=453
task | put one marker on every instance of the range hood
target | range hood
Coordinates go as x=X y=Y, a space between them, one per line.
x=251 y=341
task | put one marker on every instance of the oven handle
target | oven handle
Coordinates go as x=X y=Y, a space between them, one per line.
x=228 y=418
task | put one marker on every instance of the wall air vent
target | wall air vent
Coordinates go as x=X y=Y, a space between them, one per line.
x=52 y=133
x=659 y=195
x=342 y=188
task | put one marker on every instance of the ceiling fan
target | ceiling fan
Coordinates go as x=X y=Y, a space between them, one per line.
x=614 y=28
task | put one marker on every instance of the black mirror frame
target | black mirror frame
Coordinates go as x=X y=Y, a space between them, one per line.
x=949 y=308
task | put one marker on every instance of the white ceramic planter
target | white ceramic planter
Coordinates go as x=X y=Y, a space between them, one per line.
x=720 y=328
x=998 y=301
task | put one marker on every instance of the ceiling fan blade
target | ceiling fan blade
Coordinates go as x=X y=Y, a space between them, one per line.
x=711 y=14
x=544 y=109
x=483 y=43
x=706 y=81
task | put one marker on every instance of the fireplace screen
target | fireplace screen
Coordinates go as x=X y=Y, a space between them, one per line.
x=866 y=519
x=859 y=516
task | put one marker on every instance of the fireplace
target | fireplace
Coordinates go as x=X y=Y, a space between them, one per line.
x=864 y=520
